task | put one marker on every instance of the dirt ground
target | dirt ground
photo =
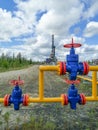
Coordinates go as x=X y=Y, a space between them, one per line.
x=83 y=118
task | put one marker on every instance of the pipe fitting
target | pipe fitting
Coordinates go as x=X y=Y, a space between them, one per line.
x=73 y=97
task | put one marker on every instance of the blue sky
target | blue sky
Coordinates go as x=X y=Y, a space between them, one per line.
x=9 y=5
x=26 y=26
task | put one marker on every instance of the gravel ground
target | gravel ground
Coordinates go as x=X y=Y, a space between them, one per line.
x=84 y=118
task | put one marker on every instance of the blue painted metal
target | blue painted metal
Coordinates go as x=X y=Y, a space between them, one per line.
x=73 y=66
x=73 y=96
x=16 y=98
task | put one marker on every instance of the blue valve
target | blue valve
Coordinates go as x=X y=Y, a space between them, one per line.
x=72 y=64
x=73 y=67
x=73 y=97
x=16 y=98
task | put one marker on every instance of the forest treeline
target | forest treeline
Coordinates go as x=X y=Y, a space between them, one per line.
x=18 y=61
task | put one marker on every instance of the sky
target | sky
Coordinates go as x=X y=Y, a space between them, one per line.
x=26 y=26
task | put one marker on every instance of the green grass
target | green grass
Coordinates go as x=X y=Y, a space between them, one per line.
x=15 y=68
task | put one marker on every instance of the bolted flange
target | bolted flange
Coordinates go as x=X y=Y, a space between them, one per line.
x=25 y=100
x=86 y=68
x=83 y=99
x=6 y=100
x=64 y=99
x=62 y=68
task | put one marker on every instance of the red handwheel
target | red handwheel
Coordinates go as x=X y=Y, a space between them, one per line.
x=17 y=82
x=72 y=44
x=72 y=81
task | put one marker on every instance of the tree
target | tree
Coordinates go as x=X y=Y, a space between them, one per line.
x=19 y=57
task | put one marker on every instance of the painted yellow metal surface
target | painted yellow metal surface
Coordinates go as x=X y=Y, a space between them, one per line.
x=41 y=84
x=93 y=68
x=52 y=99
x=94 y=84
x=49 y=68
x=85 y=78
x=1 y=100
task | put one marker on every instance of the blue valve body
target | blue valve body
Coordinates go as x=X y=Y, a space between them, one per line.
x=73 y=96
x=73 y=66
x=16 y=98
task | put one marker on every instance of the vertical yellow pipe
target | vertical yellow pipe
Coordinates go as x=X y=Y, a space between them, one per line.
x=94 y=84
x=41 y=84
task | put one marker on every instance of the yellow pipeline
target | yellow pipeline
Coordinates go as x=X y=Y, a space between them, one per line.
x=85 y=78
x=52 y=99
x=94 y=84
x=93 y=68
x=1 y=100
x=91 y=98
x=49 y=68
x=41 y=84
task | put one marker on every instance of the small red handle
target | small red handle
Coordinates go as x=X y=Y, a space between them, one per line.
x=72 y=81
x=72 y=44
x=16 y=82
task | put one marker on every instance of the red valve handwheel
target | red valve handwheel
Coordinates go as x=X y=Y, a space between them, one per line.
x=72 y=81
x=6 y=100
x=83 y=99
x=16 y=82
x=65 y=99
x=72 y=44
x=86 y=68
x=62 y=68
x=25 y=99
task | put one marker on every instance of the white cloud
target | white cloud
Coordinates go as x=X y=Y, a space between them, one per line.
x=23 y=20
x=60 y=18
x=91 y=29
x=91 y=8
x=88 y=52
x=11 y=26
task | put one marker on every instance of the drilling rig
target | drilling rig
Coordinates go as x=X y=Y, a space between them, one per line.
x=52 y=59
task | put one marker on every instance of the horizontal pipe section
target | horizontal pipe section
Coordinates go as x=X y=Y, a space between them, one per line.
x=92 y=98
x=85 y=78
x=57 y=99
x=57 y=68
x=49 y=68
x=52 y=99
x=93 y=68
x=1 y=100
